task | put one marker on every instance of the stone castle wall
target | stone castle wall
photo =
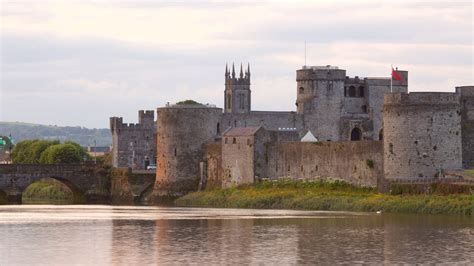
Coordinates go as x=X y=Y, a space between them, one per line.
x=356 y=162
x=182 y=133
x=134 y=145
x=213 y=164
x=422 y=134
x=467 y=125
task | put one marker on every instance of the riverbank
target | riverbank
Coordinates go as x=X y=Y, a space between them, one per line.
x=335 y=196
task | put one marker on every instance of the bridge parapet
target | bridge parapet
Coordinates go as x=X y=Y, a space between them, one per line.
x=80 y=178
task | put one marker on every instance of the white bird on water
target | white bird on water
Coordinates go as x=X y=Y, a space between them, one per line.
x=378 y=212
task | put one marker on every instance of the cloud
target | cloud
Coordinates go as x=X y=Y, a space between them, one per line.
x=77 y=63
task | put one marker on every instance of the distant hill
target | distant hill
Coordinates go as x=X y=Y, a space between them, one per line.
x=83 y=136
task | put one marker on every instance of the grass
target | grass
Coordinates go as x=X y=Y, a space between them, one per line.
x=334 y=196
x=470 y=171
x=48 y=191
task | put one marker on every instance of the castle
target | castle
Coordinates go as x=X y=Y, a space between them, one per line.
x=367 y=130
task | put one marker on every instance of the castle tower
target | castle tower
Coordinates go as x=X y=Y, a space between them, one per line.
x=422 y=134
x=181 y=132
x=320 y=96
x=467 y=124
x=133 y=145
x=237 y=91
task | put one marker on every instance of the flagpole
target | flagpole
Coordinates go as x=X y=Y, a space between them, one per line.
x=391 y=78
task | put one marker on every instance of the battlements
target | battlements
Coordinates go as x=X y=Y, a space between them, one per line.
x=320 y=73
x=146 y=119
x=421 y=98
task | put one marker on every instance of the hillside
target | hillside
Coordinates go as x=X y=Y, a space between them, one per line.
x=84 y=136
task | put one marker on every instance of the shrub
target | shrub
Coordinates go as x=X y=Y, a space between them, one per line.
x=370 y=164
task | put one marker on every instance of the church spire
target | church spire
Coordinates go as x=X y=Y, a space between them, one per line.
x=233 y=71
x=248 y=70
x=241 y=71
x=226 y=70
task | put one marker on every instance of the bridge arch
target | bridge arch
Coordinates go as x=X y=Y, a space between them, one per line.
x=77 y=194
x=3 y=197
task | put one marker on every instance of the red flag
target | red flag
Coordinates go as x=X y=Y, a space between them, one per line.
x=395 y=75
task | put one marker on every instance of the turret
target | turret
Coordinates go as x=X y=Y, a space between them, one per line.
x=237 y=92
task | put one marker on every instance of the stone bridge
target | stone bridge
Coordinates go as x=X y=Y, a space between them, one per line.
x=85 y=180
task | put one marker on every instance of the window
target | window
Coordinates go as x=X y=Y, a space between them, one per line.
x=381 y=134
x=225 y=140
x=229 y=101
x=241 y=101
x=356 y=134
x=361 y=91
x=218 y=130
x=301 y=90
x=248 y=141
x=234 y=141
x=352 y=91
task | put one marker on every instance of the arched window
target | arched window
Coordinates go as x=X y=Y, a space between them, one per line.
x=361 y=91
x=229 y=101
x=356 y=134
x=218 y=131
x=352 y=91
x=301 y=90
x=381 y=134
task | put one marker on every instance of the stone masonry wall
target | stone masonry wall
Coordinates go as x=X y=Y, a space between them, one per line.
x=422 y=134
x=357 y=162
x=213 y=160
x=182 y=133
x=133 y=144
x=467 y=125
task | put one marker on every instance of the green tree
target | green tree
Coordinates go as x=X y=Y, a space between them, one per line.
x=188 y=102
x=20 y=153
x=37 y=148
x=64 y=153
x=29 y=151
x=47 y=151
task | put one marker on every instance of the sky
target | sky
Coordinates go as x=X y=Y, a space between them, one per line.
x=77 y=63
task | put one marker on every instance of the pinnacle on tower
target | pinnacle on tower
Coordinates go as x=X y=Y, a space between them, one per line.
x=241 y=72
x=233 y=71
x=248 y=70
x=226 y=70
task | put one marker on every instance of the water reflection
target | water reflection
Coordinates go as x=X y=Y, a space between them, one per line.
x=146 y=235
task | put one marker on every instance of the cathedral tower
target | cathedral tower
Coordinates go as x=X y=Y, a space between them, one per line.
x=237 y=91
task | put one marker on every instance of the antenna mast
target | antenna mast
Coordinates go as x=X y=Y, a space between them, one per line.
x=305 y=53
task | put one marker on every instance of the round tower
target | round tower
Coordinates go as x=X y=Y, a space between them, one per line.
x=181 y=132
x=422 y=134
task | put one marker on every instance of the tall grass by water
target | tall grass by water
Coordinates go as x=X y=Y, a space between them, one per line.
x=48 y=190
x=331 y=196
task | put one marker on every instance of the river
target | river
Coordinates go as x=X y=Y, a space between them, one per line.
x=118 y=235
